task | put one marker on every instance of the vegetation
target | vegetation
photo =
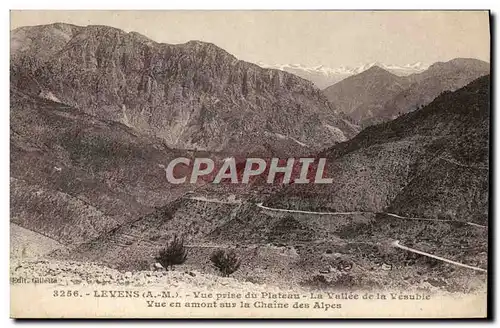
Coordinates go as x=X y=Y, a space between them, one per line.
x=175 y=253
x=226 y=262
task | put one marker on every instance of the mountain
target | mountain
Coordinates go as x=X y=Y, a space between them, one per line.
x=432 y=162
x=192 y=96
x=366 y=93
x=323 y=76
x=378 y=97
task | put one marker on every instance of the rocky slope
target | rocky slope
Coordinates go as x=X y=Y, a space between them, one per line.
x=379 y=96
x=192 y=95
x=74 y=176
x=432 y=162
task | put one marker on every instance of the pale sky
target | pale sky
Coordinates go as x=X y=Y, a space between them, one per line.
x=329 y=38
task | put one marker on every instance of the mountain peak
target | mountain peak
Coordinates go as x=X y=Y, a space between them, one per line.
x=140 y=37
x=362 y=93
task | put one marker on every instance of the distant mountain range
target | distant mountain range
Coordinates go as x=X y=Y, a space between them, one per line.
x=323 y=76
x=377 y=95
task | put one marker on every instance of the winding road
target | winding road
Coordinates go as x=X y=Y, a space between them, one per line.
x=211 y=200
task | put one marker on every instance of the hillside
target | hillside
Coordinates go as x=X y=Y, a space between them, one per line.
x=432 y=162
x=74 y=176
x=192 y=95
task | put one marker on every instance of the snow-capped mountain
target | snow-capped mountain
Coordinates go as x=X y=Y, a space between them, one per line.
x=323 y=76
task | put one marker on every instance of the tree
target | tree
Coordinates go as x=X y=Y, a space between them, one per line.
x=175 y=253
x=226 y=262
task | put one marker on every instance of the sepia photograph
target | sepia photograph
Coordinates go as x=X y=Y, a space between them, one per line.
x=249 y=164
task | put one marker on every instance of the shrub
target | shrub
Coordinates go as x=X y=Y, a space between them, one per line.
x=175 y=253
x=226 y=262
x=343 y=281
